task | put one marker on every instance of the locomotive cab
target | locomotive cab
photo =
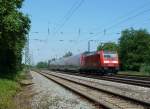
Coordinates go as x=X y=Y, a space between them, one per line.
x=109 y=61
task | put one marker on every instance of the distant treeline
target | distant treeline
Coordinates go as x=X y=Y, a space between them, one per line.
x=14 y=26
x=134 y=49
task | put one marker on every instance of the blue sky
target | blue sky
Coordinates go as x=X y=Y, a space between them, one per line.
x=92 y=17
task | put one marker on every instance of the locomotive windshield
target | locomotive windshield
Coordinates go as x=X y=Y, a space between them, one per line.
x=110 y=55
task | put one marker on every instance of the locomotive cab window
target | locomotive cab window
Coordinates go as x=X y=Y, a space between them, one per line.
x=110 y=55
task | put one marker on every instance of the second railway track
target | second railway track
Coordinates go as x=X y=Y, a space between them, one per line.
x=133 y=80
x=103 y=96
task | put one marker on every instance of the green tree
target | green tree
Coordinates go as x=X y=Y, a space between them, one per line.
x=42 y=65
x=14 y=26
x=68 y=54
x=111 y=46
x=134 y=48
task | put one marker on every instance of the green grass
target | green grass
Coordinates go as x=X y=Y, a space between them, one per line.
x=8 y=89
x=134 y=73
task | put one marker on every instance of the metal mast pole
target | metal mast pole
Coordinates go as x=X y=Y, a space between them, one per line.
x=89 y=46
x=27 y=54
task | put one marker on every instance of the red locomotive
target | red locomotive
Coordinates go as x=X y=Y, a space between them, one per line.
x=100 y=62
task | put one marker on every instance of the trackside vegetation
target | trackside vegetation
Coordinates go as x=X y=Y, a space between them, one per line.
x=134 y=50
x=14 y=26
x=42 y=65
x=8 y=90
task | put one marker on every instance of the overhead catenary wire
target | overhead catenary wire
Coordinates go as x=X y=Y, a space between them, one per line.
x=146 y=21
x=130 y=12
x=124 y=18
x=120 y=22
x=128 y=18
x=69 y=14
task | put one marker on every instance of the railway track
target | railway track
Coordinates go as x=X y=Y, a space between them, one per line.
x=140 y=77
x=133 y=80
x=100 y=93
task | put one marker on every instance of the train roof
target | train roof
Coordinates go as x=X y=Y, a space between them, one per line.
x=89 y=53
x=95 y=52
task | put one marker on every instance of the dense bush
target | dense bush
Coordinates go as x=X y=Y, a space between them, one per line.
x=134 y=49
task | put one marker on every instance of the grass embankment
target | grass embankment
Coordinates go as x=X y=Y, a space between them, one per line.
x=134 y=73
x=8 y=89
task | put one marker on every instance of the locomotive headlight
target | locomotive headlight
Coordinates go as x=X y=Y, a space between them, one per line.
x=115 y=62
x=106 y=62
